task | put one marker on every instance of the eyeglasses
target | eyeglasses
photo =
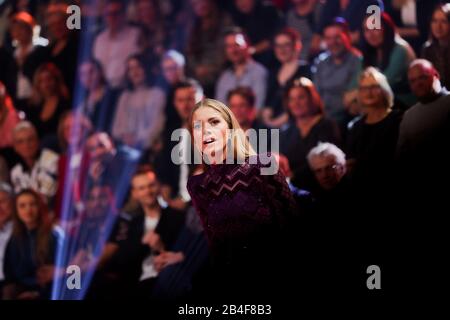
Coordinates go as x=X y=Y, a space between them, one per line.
x=327 y=169
x=372 y=88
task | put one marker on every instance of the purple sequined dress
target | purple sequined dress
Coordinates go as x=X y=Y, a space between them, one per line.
x=245 y=216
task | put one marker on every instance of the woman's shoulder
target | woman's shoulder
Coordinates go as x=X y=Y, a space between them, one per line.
x=241 y=170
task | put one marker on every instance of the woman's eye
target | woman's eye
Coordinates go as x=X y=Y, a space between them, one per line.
x=214 y=122
x=197 y=125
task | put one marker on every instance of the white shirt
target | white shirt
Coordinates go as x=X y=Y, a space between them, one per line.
x=24 y=86
x=5 y=234
x=148 y=267
x=112 y=53
x=184 y=168
x=42 y=177
x=140 y=114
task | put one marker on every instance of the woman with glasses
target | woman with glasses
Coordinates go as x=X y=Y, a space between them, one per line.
x=372 y=137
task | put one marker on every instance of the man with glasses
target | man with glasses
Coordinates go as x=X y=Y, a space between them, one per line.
x=327 y=162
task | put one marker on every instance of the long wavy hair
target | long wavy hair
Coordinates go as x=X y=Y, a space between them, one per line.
x=445 y=9
x=241 y=145
x=60 y=87
x=44 y=226
x=370 y=53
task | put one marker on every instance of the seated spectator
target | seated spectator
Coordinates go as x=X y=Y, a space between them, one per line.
x=204 y=52
x=259 y=20
x=422 y=148
x=372 y=139
x=30 y=253
x=173 y=65
x=106 y=165
x=8 y=118
x=241 y=101
x=139 y=119
x=304 y=16
x=244 y=71
x=335 y=69
x=287 y=48
x=327 y=162
x=87 y=234
x=73 y=130
x=173 y=177
x=412 y=18
x=437 y=48
x=37 y=168
x=48 y=101
x=27 y=55
x=116 y=43
x=140 y=236
x=423 y=157
x=385 y=49
x=154 y=32
x=352 y=11
x=6 y=225
x=63 y=47
x=98 y=101
x=307 y=126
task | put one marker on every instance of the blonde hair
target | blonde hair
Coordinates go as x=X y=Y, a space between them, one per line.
x=382 y=81
x=241 y=146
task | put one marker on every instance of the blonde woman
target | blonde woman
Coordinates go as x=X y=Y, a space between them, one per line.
x=372 y=138
x=244 y=212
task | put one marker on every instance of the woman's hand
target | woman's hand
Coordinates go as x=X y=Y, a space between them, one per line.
x=153 y=240
x=167 y=258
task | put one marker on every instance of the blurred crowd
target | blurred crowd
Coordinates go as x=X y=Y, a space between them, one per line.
x=87 y=116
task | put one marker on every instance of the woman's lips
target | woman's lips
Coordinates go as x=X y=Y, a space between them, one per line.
x=208 y=142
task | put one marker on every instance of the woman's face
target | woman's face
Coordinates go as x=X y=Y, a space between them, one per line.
x=440 y=26
x=210 y=133
x=299 y=103
x=136 y=72
x=89 y=75
x=28 y=210
x=370 y=93
x=284 y=48
x=374 y=37
x=47 y=83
